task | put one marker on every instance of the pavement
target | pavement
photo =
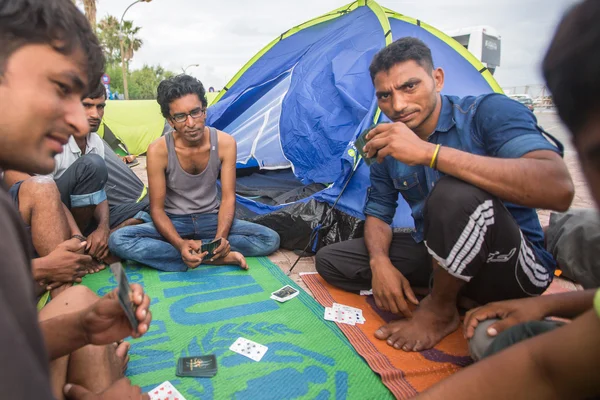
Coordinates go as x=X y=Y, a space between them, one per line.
x=547 y=119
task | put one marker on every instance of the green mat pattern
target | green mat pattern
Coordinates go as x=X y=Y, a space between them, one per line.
x=205 y=310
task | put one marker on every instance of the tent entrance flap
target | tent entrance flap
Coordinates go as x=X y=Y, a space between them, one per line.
x=253 y=120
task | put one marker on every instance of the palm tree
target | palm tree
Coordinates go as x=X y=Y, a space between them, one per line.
x=131 y=43
x=89 y=6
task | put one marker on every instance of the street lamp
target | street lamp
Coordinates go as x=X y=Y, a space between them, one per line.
x=125 y=87
x=191 y=65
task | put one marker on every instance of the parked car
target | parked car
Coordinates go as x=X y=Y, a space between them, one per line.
x=523 y=99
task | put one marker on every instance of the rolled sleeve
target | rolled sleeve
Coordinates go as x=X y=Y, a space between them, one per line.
x=89 y=199
x=382 y=196
x=507 y=129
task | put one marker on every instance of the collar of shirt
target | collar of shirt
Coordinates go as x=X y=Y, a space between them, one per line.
x=446 y=119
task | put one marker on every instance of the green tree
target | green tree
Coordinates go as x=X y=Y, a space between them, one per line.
x=108 y=34
x=143 y=82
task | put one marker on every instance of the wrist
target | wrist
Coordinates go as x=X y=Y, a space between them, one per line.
x=428 y=153
x=81 y=328
x=79 y=236
x=379 y=261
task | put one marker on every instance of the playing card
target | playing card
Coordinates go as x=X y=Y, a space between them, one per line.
x=284 y=294
x=165 y=391
x=356 y=313
x=124 y=293
x=360 y=143
x=248 y=348
x=366 y=292
x=210 y=247
x=339 y=315
x=198 y=366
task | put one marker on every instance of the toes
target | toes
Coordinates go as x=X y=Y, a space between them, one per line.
x=382 y=333
x=122 y=350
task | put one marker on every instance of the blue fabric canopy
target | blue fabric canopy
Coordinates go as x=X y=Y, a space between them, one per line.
x=303 y=102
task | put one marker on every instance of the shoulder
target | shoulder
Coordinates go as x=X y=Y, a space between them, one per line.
x=158 y=148
x=499 y=105
x=225 y=139
x=95 y=139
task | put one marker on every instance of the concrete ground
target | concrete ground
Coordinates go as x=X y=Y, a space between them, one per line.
x=548 y=120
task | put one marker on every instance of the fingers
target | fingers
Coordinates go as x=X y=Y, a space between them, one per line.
x=142 y=313
x=74 y=244
x=408 y=292
x=474 y=317
x=195 y=244
x=501 y=326
x=221 y=251
x=379 y=129
x=76 y=392
x=402 y=306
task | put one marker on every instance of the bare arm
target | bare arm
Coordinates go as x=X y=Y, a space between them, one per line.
x=157 y=188
x=378 y=238
x=560 y=364
x=227 y=208
x=539 y=179
x=71 y=221
x=513 y=312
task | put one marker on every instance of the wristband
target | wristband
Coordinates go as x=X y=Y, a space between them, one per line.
x=80 y=237
x=433 y=162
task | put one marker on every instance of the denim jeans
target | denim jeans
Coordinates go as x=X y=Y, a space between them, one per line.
x=144 y=244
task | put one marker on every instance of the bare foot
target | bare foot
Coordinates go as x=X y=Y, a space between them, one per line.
x=429 y=325
x=233 y=258
x=122 y=353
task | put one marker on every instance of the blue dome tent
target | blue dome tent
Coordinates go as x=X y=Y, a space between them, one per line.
x=301 y=101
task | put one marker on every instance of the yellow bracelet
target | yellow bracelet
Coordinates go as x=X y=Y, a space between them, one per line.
x=435 y=154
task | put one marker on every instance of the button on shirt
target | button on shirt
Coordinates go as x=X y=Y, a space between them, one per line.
x=71 y=152
x=490 y=125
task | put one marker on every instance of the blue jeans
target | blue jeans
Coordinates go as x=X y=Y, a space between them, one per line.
x=144 y=244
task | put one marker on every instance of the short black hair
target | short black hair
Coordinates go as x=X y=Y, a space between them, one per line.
x=176 y=87
x=572 y=64
x=99 y=91
x=57 y=23
x=405 y=49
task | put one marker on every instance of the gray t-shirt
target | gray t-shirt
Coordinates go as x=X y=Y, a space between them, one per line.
x=192 y=194
x=24 y=370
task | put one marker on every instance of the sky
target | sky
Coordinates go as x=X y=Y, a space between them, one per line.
x=222 y=35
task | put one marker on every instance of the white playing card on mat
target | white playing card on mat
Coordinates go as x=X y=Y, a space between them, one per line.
x=165 y=391
x=248 y=348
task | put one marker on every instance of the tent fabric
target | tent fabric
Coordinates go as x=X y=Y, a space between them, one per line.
x=123 y=185
x=135 y=123
x=304 y=98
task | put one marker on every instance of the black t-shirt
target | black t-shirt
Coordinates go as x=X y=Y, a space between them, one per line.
x=24 y=366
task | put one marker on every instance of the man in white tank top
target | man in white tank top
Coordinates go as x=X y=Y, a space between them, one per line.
x=183 y=168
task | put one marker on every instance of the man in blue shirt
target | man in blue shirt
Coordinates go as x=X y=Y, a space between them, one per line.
x=473 y=170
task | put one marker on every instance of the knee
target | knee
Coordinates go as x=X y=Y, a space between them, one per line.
x=94 y=166
x=82 y=295
x=452 y=196
x=40 y=187
x=116 y=241
x=323 y=262
x=273 y=241
x=481 y=341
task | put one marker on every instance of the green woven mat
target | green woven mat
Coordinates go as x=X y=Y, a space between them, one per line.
x=205 y=310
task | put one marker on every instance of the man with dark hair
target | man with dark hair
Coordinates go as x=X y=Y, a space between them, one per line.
x=49 y=57
x=183 y=168
x=80 y=175
x=562 y=363
x=473 y=170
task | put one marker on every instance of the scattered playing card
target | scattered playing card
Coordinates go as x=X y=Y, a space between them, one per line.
x=344 y=314
x=284 y=294
x=165 y=391
x=197 y=366
x=248 y=348
x=124 y=293
x=366 y=292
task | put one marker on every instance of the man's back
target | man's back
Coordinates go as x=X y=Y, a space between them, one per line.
x=21 y=343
